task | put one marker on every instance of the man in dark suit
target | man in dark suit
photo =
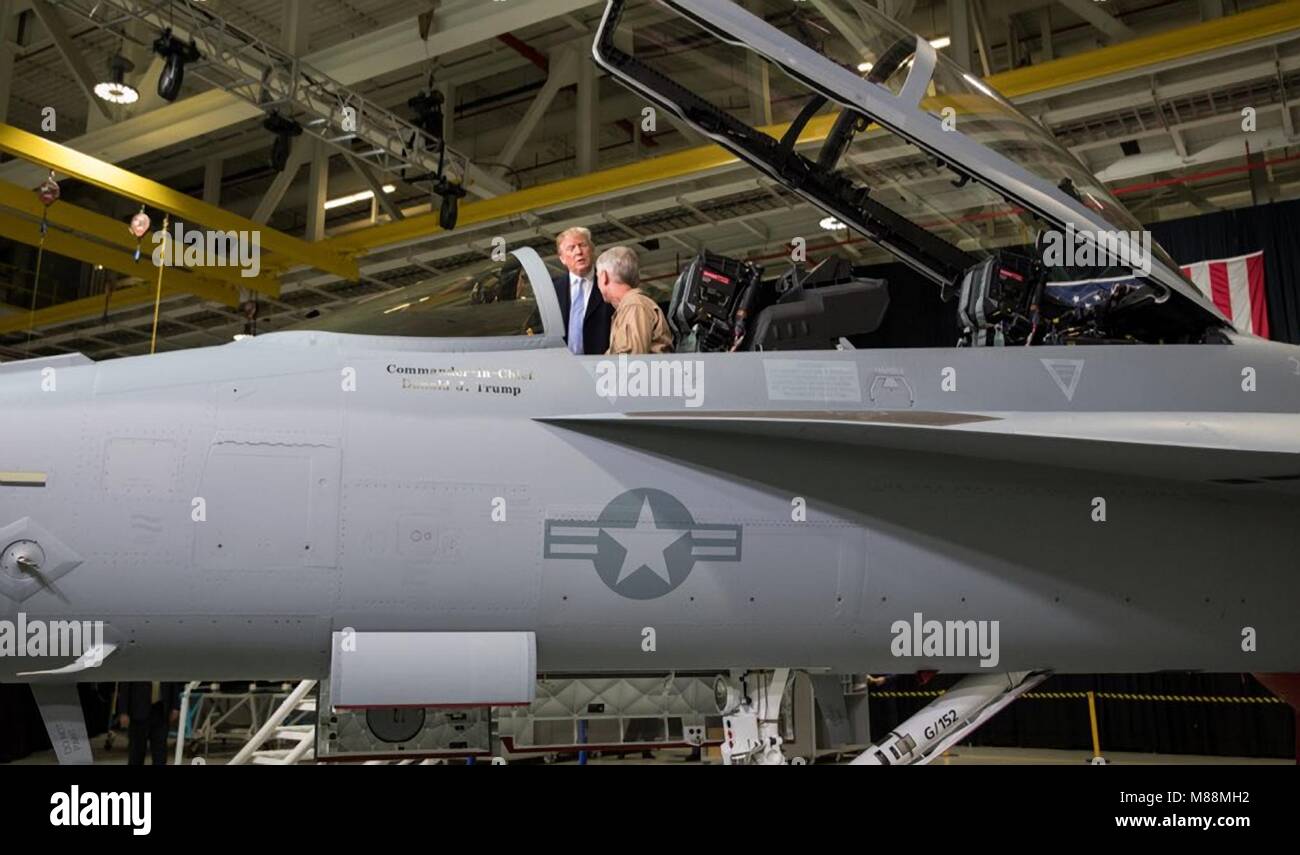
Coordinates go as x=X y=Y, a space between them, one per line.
x=578 y=295
x=146 y=710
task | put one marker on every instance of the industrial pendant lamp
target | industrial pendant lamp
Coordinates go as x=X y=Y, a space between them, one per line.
x=115 y=89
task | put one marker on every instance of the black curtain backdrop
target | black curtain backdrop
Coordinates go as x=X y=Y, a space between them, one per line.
x=1273 y=228
x=1222 y=729
x=21 y=729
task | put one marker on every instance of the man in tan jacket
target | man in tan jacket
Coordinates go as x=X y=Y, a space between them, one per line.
x=639 y=326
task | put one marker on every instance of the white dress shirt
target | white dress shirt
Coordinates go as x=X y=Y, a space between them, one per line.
x=576 y=284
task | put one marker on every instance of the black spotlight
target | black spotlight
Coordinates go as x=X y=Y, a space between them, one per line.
x=428 y=112
x=175 y=54
x=285 y=130
x=451 y=194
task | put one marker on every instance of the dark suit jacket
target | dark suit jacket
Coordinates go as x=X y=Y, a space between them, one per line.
x=595 y=324
x=133 y=698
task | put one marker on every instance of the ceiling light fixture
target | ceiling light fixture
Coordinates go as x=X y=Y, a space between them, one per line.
x=115 y=90
x=356 y=197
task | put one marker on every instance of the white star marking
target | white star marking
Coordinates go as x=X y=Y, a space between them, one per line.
x=645 y=545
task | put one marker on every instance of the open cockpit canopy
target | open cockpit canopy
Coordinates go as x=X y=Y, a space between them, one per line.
x=874 y=125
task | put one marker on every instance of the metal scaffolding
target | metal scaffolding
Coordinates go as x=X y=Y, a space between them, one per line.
x=276 y=81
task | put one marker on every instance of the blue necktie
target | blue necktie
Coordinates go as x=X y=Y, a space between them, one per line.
x=577 y=311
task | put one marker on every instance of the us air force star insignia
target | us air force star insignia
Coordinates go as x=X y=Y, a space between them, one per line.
x=644 y=543
x=646 y=546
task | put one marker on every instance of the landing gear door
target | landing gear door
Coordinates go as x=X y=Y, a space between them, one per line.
x=869 y=122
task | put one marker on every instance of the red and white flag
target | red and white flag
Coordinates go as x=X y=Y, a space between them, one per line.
x=1236 y=286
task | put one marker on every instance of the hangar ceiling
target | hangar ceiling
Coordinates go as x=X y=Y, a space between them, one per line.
x=553 y=142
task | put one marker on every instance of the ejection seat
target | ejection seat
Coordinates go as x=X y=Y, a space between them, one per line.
x=723 y=304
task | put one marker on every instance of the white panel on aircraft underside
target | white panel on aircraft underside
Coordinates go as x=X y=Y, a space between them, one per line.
x=431 y=669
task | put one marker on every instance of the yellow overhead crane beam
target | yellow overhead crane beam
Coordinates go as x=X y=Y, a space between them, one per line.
x=86 y=307
x=67 y=161
x=61 y=243
x=668 y=167
x=1204 y=38
x=87 y=222
x=1183 y=43
x=174 y=280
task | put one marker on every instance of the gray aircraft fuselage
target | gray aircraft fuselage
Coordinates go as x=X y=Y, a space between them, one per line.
x=228 y=508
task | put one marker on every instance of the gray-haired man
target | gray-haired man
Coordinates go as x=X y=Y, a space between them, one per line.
x=639 y=326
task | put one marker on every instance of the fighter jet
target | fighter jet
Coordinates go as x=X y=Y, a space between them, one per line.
x=427 y=498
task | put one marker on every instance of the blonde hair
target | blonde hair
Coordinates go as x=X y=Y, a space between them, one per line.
x=621 y=263
x=581 y=231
